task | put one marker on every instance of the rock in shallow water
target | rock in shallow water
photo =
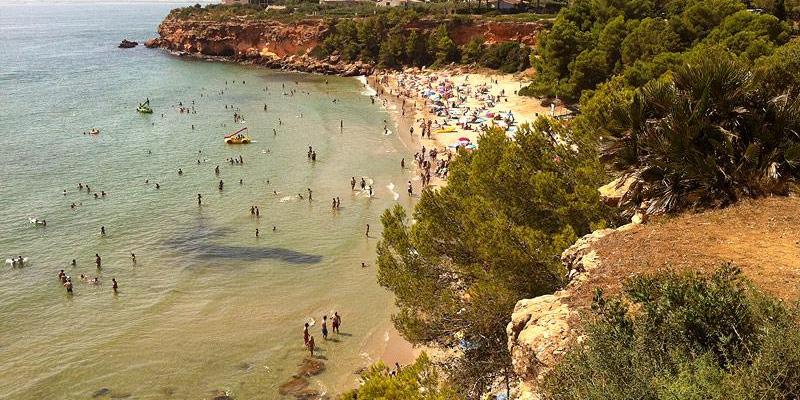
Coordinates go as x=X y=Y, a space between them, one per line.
x=127 y=44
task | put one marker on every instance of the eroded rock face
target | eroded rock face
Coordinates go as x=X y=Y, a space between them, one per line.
x=543 y=328
x=289 y=46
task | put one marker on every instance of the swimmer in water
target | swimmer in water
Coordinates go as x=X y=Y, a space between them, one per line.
x=180 y=172
x=103 y=230
x=97 y=260
x=74 y=263
x=114 y=285
x=256 y=232
x=367 y=234
x=199 y=199
x=133 y=258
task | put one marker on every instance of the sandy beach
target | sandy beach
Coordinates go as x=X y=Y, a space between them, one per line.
x=458 y=103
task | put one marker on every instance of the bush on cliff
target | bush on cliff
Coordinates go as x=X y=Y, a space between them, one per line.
x=418 y=381
x=707 y=137
x=493 y=235
x=684 y=337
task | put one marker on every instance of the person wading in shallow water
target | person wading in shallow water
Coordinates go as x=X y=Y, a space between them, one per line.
x=311 y=345
x=336 y=322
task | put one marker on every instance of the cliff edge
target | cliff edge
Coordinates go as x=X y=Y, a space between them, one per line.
x=759 y=236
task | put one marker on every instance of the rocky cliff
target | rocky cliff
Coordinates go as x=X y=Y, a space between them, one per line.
x=289 y=46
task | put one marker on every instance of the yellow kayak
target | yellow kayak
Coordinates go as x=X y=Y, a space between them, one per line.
x=447 y=129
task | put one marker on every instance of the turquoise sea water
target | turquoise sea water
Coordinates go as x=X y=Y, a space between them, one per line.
x=208 y=306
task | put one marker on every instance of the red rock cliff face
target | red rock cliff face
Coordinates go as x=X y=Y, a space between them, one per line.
x=236 y=38
x=288 y=45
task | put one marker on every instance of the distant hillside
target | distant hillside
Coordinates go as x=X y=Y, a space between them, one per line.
x=384 y=38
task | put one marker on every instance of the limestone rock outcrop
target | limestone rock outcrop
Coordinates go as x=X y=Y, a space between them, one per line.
x=543 y=328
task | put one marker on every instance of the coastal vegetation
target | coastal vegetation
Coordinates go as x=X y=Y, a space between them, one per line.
x=384 y=40
x=592 y=42
x=672 y=336
x=418 y=381
x=492 y=236
x=708 y=135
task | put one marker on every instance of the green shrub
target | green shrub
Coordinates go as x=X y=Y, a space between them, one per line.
x=684 y=337
x=418 y=381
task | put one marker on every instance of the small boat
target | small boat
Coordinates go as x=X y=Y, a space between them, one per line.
x=144 y=108
x=94 y=131
x=238 y=137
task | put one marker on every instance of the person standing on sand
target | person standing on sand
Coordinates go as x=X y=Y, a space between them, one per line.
x=325 y=327
x=367 y=230
x=363 y=183
x=410 y=189
x=353 y=183
x=403 y=163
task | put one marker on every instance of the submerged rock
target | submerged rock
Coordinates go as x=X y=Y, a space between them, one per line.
x=127 y=44
x=310 y=367
x=293 y=386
